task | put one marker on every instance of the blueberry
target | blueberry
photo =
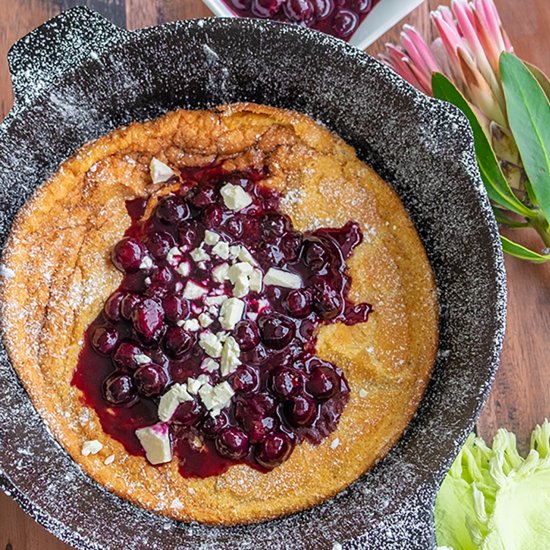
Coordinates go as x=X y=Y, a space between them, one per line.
x=188 y=413
x=175 y=308
x=119 y=389
x=247 y=335
x=274 y=450
x=150 y=380
x=323 y=8
x=178 y=341
x=172 y=210
x=300 y=11
x=127 y=255
x=232 y=442
x=287 y=382
x=266 y=8
x=299 y=303
x=147 y=318
x=300 y=411
x=245 y=379
x=277 y=330
x=111 y=309
x=125 y=356
x=104 y=339
x=159 y=244
x=345 y=22
x=323 y=382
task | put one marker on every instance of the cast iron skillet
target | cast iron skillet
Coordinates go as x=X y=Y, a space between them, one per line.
x=78 y=76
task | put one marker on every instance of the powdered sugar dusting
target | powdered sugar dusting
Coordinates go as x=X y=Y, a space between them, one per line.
x=421 y=146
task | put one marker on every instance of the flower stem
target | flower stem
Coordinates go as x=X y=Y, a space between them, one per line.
x=542 y=227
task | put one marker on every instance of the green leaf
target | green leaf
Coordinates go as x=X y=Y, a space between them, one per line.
x=542 y=79
x=528 y=111
x=519 y=251
x=496 y=184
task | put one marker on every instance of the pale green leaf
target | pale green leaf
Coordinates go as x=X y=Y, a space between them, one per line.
x=494 y=499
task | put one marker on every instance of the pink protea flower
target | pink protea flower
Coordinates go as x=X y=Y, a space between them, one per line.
x=471 y=39
x=471 y=50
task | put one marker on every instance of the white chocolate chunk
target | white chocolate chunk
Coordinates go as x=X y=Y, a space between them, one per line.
x=211 y=237
x=230 y=356
x=200 y=255
x=278 y=277
x=155 y=441
x=173 y=254
x=221 y=250
x=91 y=447
x=171 y=399
x=255 y=280
x=109 y=460
x=215 y=300
x=159 y=171
x=210 y=343
x=146 y=263
x=239 y=275
x=231 y=313
x=205 y=320
x=190 y=325
x=238 y=270
x=235 y=197
x=216 y=398
x=210 y=365
x=196 y=308
x=234 y=251
x=241 y=289
x=219 y=273
x=245 y=256
x=207 y=396
x=194 y=385
x=184 y=269
x=193 y=291
x=142 y=359
x=222 y=336
x=222 y=395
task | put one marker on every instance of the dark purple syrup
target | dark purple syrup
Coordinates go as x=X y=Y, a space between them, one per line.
x=340 y=18
x=284 y=394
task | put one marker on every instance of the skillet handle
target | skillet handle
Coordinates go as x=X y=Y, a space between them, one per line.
x=43 y=55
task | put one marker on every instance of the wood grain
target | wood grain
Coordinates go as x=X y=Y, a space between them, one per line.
x=520 y=396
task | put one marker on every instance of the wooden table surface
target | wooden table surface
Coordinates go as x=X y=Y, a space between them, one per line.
x=520 y=397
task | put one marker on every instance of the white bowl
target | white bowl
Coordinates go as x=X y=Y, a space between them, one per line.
x=382 y=18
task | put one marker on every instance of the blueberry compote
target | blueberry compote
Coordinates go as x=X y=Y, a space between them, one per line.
x=151 y=332
x=336 y=17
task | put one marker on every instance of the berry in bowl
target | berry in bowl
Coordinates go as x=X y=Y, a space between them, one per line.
x=359 y=22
